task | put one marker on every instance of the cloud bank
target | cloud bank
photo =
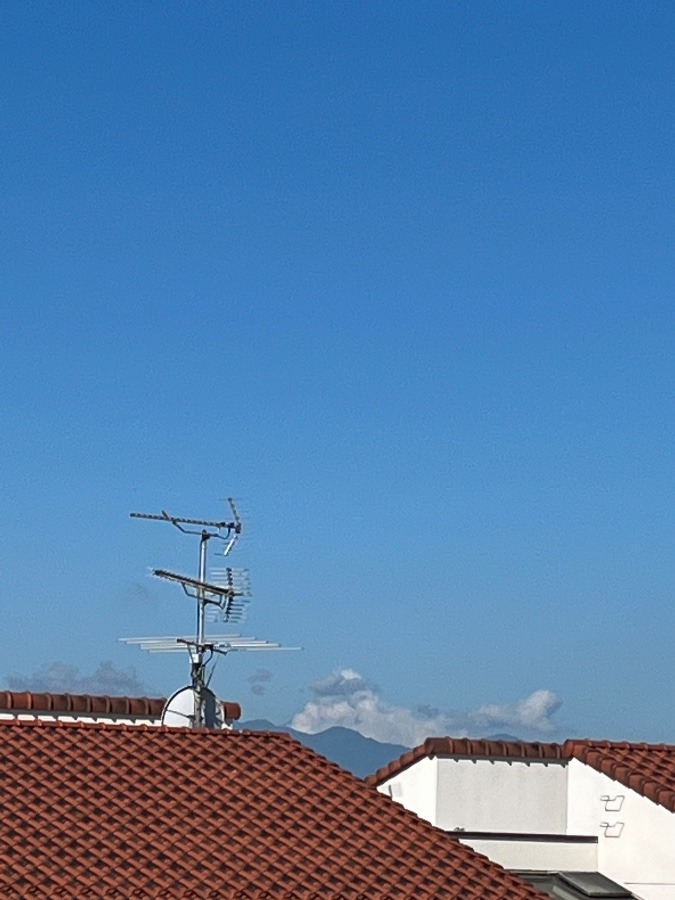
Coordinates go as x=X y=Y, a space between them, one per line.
x=259 y=681
x=532 y=713
x=64 y=678
x=345 y=698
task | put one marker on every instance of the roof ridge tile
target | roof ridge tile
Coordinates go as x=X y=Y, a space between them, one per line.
x=93 y=704
x=468 y=747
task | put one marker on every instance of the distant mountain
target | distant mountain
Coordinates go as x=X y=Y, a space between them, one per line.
x=358 y=754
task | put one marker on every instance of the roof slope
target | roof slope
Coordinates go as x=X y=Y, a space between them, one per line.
x=119 y=811
x=647 y=769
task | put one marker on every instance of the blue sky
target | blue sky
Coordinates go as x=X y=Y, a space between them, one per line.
x=399 y=277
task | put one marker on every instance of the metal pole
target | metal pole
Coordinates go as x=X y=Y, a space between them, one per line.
x=201 y=610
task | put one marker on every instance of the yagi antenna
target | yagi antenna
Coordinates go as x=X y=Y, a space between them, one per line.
x=230 y=597
x=226 y=596
x=231 y=530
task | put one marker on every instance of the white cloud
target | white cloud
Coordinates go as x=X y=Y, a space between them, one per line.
x=64 y=678
x=345 y=698
x=534 y=712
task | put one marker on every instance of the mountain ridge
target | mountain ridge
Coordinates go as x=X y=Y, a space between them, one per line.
x=348 y=748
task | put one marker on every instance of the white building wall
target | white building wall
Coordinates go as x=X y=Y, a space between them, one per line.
x=539 y=856
x=636 y=837
x=502 y=795
x=415 y=788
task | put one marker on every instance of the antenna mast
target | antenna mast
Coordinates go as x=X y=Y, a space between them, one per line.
x=228 y=597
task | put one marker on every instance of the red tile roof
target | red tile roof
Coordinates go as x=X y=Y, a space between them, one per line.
x=85 y=704
x=648 y=769
x=124 y=811
x=79 y=704
x=447 y=746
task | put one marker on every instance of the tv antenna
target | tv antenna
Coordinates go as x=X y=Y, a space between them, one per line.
x=226 y=598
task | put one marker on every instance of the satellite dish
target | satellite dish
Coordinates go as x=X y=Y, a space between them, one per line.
x=180 y=709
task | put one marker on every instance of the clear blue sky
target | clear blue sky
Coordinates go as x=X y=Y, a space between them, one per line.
x=397 y=275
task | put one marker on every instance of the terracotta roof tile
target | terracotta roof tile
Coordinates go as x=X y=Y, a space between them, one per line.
x=119 y=811
x=86 y=704
x=648 y=769
x=80 y=703
x=448 y=746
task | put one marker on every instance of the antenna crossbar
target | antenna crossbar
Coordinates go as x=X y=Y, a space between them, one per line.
x=224 y=643
x=202 y=588
x=175 y=520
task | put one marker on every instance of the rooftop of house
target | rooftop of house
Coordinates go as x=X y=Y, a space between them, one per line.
x=648 y=769
x=119 y=810
x=18 y=702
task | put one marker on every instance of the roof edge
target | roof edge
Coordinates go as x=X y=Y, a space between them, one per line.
x=470 y=748
x=596 y=755
x=91 y=704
